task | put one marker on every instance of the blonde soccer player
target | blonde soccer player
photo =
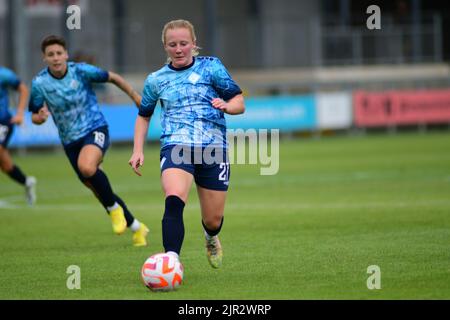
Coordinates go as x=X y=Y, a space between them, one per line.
x=195 y=93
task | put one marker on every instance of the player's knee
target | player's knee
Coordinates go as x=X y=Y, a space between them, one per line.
x=86 y=170
x=177 y=193
x=5 y=166
x=213 y=222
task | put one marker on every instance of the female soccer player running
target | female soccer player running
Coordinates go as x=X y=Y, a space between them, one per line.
x=8 y=79
x=194 y=93
x=65 y=88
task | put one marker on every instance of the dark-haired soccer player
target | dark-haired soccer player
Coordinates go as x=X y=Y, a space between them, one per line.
x=8 y=79
x=66 y=89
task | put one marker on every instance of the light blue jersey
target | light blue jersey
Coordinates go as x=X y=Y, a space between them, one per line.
x=71 y=99
x=8 y=79
x=188 y=117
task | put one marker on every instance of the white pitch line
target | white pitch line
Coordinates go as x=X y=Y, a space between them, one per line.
x=6 y=205
x=159 y=207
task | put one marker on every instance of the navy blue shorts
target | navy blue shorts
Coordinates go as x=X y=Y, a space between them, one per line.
x=98 y=137
x=209 y=166
x=6 y=131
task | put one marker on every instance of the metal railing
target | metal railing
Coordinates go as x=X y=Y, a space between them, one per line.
x=394 y=43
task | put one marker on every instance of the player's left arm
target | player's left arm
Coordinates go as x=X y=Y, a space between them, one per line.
x=233 y=106
x=230 y=99
x=23 y=91
x=123 y=85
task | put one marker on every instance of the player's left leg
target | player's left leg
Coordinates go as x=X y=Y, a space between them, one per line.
x=212 y=203
x=140 y=230
x=88 y=165
x=212 y=179
x=85 y=156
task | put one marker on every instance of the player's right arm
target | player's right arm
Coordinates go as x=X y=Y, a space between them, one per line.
x=140 y=133
x=41 y=116
x=36 y=105
x=146 y=109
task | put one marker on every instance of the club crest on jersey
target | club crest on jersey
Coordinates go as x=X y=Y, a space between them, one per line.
x=194 y=77
x=74 y=84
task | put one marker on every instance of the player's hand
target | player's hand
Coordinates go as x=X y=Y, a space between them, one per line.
x=17 y=119
x=219 y=104
x=136 y=161
x=43 y=114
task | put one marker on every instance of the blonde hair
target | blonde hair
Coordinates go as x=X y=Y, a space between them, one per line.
x=180 y=23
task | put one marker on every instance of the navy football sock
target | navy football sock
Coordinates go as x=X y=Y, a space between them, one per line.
x=128 y=216
x=17 y=175
x=99 y=181
x=210 y=232
x=172 y=224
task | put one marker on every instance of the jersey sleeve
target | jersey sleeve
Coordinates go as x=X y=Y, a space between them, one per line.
x=36 y=98
x=149 y=97
x=93 y=73
x=223 y=83
x=11 y=79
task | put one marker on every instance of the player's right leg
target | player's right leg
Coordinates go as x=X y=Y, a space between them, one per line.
x=176 y=180
x=13 y=171
x=176 y=184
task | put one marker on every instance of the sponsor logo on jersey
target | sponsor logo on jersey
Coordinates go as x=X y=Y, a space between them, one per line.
x=194 y=77
x=74 y=84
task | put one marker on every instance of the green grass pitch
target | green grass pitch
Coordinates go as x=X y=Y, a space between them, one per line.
x=337 y=206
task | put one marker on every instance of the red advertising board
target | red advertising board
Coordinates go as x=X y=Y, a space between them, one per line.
x=410 y=107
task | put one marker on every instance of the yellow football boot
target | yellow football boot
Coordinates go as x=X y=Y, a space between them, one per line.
x=118 y=220
x=214 y=252
x=140 y=236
